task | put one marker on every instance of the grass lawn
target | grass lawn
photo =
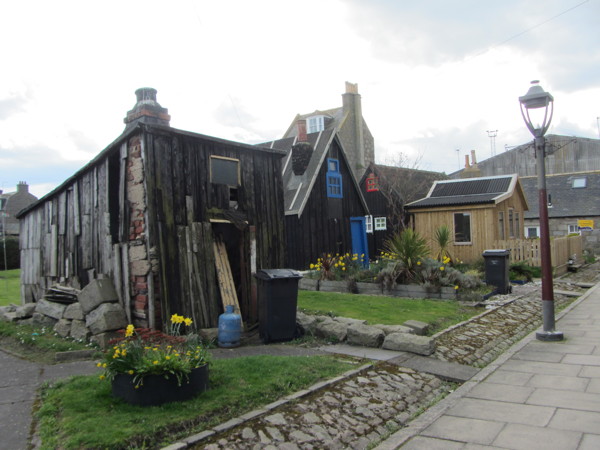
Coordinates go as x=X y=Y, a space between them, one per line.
x=439 y=314
x=82 y=413
x=10 y=287
x=35 y=343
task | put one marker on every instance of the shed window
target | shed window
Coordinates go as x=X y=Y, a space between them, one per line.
x=334 y=179
x=372 y=183
x=380 y=223
x=225 y=171
x=511 y=223
x=579 y=183
x=462 y=227
x=369 y=224
x=517 y=225
x=501 y=234
x=315 y=123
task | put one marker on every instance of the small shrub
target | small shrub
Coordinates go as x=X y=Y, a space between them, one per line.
x=407 y=247
x=522 y=271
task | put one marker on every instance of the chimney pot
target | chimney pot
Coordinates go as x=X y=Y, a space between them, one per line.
x=147 y=109
x=467 y=165
x=473 y=157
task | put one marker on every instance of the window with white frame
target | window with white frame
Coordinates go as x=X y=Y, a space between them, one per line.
x=380 y=223
x=573 y=229
x=579 y=183
x=369 y=224
x=532 y=232
x=315 y=123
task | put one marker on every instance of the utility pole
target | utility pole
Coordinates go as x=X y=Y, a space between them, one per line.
x=492 y=135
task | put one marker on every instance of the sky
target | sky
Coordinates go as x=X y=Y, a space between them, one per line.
x=436 y=77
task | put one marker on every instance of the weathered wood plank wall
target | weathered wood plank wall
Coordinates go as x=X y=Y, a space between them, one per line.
x=324 y=226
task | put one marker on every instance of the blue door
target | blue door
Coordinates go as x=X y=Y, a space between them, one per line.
x=358 y=230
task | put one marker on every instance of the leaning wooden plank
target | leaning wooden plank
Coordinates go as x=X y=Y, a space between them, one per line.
x=226 y=285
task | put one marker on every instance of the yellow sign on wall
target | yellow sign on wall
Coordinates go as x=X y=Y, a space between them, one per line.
x=585 y=224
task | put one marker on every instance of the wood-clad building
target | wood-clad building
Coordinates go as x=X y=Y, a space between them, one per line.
x=386 y=190
x=478 y=212
x=178 y=220
x=324 y=208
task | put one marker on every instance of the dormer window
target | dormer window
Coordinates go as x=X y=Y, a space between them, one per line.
x=372 y=183
x=579 y=183
x=334 y=179
x=315 y=124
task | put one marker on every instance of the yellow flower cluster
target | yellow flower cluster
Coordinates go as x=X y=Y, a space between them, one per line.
x=176 y=318
x=129 y=330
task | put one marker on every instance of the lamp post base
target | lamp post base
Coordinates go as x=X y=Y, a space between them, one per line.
x=549 y=336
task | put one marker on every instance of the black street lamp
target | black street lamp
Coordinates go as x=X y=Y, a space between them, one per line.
x=537 y=107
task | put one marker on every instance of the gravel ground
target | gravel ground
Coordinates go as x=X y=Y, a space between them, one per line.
x=361 y=410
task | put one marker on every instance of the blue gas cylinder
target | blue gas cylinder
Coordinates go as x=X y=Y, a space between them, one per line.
x=230 y=328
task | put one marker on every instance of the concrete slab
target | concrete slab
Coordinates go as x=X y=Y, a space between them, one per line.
x=584 y=421
x=590 y=442
x=502 y=411
x=510 y=378
x=563 y=348
x=542 y=356
x=541 y=367
x=584 y=360
x=446 y=370
x=583 y=401
x=421 y=442
x=559 y=382
x=594 y=386
x=500 y=392
x=464 y=430
x=590 y=372
x=525 y=437
x=376 y=354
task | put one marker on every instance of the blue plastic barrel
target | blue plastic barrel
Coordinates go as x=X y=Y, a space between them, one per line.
x=230 y=328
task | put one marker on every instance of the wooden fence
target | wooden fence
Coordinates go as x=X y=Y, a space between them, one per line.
x=561 y=250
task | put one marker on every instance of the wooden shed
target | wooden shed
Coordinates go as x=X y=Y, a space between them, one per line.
x=478 y=211
x=178 y=220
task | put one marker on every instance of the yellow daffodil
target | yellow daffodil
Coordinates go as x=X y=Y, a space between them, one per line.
x=131 y=372
x=442 y=268
x=154 y=362
x=129 y=330
x=188 y=321
x=102 y=377
x=456 y=287
x=99 y=365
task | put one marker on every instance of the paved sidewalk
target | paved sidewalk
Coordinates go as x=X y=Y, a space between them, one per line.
x=537 y=395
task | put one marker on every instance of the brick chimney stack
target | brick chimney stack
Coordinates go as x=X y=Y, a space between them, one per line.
x=22 y=187
x=147 y=110
x=302 y=150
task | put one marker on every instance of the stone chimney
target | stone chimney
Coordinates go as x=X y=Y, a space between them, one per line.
x=22 y=187
x=471 y=170
x=352 y=108
x=147 y=110
x=302 y=150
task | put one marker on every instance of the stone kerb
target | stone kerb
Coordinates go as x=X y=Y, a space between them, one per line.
x=357 y=332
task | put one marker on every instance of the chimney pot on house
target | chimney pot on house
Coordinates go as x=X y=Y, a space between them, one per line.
x=473 y=157
x=147 y=110
x=22 y=187
x=467 y=165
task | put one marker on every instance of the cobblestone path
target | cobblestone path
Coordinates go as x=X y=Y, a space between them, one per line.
x=351 y=414
x=361 y=410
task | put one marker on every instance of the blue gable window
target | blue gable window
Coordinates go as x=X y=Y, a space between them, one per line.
x=334 y=179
